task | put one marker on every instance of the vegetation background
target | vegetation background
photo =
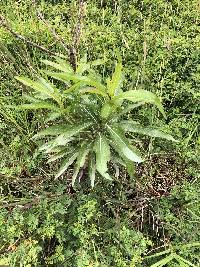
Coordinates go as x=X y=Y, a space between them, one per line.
x=151 y=221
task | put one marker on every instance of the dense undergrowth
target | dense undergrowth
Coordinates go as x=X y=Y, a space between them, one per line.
x=151 y=218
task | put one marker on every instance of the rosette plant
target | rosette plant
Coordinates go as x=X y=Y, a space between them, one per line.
x=87 y=118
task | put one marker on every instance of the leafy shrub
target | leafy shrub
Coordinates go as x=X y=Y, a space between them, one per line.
x=68 y=233
x=89 y=128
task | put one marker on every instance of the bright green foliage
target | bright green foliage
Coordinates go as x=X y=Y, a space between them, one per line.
x=72 y=232
x=89 y=117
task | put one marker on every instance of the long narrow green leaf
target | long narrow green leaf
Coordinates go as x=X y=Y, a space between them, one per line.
x=177 y=257
x=130 y=167
x=102 y=150
x=107 y=109
x=58 y=142
x=130 y=126
x=158 y=254
x=82 y=154
x=66 y=163
x=164 y=261
x=65 y=64
x=61 y=65
x=190 y=245
x=115 y=83
x=82 y=67
x=43 y=87
x=93 y=90
x=67 y=130
x=92 y=171
x=66 y=77
x=181 y=263
x=141 y=96
x=59 y=155
x=98 y=62
x=121 y=144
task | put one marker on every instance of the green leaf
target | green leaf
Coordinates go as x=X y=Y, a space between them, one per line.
x=164 y=261
x=130 y=167
x=141 y=96
x=179 y=258
x=190 y=245
x=43 y=87
x=82 y=67
x=92 y=171
x=158 y=254
x=74 y=87
x=98 y=62
x=130 y=107
x=66 y=130
x=93 y=90
x=107 y=109
x=102 y=150
x=115 y=83
x=130 y=126
x=181 y=263
x=52 y=116
x=121 y=144
x=66 y=77
x=61 y=65
x=66 y=163
x=59 y=155
x=83 y=152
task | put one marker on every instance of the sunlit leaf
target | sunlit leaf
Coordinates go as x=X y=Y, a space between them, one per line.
x=102 y=150
x=158 y=254
x=43 y=87
x=130 y=107
x=82 y=67
x=92 y=171
x=115 y=83
x=98 y=62
x=184 y=261
x=141 y=96
x=83 y=80
x=164 y=261
x=66 y=163
x=82 y=154
x=61 y=65
x=130 y=167
x=130 y=126
x=107 y=109
x=92 y=90
x=121 y=144
x=59 y=155
x=66 y=130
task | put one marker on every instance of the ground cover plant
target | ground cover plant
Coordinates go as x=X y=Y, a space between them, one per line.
x=126 y=191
